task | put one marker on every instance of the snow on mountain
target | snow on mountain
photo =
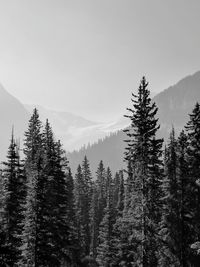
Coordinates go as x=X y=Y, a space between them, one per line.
x=75 y=131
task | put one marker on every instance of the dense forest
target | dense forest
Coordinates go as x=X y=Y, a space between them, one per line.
x=145 y=215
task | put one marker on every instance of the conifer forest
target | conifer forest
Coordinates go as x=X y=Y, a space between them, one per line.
x=146 y=215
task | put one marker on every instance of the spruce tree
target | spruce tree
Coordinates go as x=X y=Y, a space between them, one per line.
x=184 y=194
x=101 y=187
x=79 y=194
x=87 y=179
x=74 y=247
x=143 y=154
x=14 y=193
x=119 y=242
x=120 y=198
x=116 y=183
x=101 y=190
x=57 y=227
x=105 y=248
x=94 y=227
x=33 y=150
x=170 y=225
x=4 y=250
x=193 y=158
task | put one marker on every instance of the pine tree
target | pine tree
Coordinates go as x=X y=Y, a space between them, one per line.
x=33 y=148
x=143 y=154
x=118 y=193
x=109 y=182
x=193 y=158
x=64 y=228
x=4 y=250
x=116 y=182
x=87 y=179
x=94 y=227
x=74 y=247
x=118 y=241
x=57 y=228
x=79 y=194
x=120 y=199
x=98 y=205
x=14 y=193
x=171 y=220
x=105 y=248
x=184 y=194
x=101 y=190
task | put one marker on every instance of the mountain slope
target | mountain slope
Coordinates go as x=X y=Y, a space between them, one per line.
x=12 y=113
x=177 y=101
x=110 y=150
x=75 y=131
x=174 y=103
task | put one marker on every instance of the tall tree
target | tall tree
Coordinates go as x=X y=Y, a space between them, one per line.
x=184 y=194
x=56 y=227
x=13 y=196
x=105 y=248
x=4 y=250
x=193 y=157
x=116 y=183
x=33 y=149
x=87 y=180
x=79 y=194
x=74 y=247
x=101 y=190
x=143 y=153
x=120 y=198
x=47 y=233
x=94 y=227
x=170 y=224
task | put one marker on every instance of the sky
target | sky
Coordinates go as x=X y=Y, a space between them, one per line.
x=87 y=56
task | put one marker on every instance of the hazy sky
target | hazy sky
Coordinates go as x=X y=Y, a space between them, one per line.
x=86 y=56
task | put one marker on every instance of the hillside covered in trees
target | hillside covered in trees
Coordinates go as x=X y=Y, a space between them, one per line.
x=147 y=214
x=174 y=104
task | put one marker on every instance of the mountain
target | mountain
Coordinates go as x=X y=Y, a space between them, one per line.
x=177 y=101
x=75 y=131
x=109 y=149
x=174 y=103
x=12 y=113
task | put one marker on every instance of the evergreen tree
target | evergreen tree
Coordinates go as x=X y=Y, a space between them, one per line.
x=94 y=227
x=171 y=220
x=87 y=179
x=105 y=247
x=118 y=194
x=101 y=190
x=143 y=155
x=33 y=149
x=118 y=241
x=74 y=248
x=109 y=186
x=120 y=198
x=184 y=194
x=57 y=210
x=116 y=183
x=4 y=250
x=100 y=202
x=79 y=194
x=14 y=193
x=193 y=158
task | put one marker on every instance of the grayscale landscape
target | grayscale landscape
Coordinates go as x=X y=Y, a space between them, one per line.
x=100 y=133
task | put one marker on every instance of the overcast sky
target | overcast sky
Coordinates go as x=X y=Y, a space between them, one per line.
x=86 y=56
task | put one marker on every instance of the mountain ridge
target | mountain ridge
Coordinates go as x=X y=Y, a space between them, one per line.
x=12 y=114
x=174 y=105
